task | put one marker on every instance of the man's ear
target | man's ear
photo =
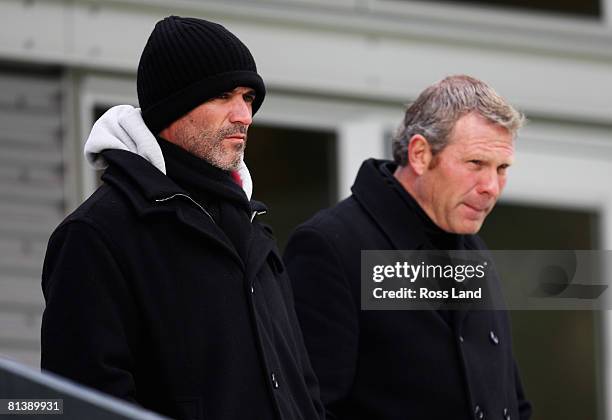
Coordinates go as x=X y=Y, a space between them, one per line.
x=419 y=154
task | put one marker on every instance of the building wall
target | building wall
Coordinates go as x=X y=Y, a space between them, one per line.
x=32 y=191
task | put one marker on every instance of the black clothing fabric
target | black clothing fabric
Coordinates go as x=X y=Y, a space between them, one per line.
x=215 y=190
x=148 y=300
x=187 y=61
x=435 y=237
x=388 y=365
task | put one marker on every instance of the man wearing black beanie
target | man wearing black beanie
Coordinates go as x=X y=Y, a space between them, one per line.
x=163 y=288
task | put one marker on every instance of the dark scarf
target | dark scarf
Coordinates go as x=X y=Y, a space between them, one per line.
x=215 y=190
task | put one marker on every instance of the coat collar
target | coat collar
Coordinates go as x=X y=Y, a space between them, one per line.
x=143 y=184
x=375 y=193
x=140 y=181
x=151 y=192
x=404 y=227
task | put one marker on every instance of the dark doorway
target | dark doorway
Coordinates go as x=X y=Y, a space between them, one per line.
x=558 y=352
x=294 y=174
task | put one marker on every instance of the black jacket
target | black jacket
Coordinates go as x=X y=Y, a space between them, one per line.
x=394 y=364
x=149 y=301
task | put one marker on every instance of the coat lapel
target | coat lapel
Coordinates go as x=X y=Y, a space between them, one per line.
x=202 y=223
x=152 y=192
x=401 y=225
x=260 y=247
x=375 y=194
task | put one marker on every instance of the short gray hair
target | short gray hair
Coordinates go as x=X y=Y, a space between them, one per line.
x=435 y=112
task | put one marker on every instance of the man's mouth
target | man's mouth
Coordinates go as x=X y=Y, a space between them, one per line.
x=235 y=131
x=477 y=208
x=236 y=137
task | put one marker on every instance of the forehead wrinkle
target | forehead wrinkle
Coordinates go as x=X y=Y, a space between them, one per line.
x=487 y=146
x=497 y=152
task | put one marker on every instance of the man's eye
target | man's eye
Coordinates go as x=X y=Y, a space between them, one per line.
x=476 y=162
x=249 y=97
x=502 y=169
x=223 y=96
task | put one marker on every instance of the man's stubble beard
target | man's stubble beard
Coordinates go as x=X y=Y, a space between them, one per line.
x=208 y=145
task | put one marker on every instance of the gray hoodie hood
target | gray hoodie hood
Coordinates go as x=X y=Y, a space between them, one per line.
x=123 y=128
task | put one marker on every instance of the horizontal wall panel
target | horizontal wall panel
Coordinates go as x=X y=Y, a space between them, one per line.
x=13 y=324
x=30 y=193
x=17 y=173
x=25 y=93
x=10 y=155
x=27 y=231
x=21 y=266
x=23 y=291
x=28 y=356
x=32 y=203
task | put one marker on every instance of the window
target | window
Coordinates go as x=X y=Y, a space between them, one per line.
x=583 y=8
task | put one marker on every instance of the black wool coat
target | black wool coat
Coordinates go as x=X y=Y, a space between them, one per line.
x=148 y=300
x=387 y=365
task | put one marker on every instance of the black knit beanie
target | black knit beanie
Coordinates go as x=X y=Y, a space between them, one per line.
x=188 y=61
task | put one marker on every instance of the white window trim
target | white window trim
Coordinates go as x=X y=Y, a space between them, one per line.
x=95 y=91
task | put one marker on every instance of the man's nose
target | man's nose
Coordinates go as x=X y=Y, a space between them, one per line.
x=490 y=183
x=241 y=112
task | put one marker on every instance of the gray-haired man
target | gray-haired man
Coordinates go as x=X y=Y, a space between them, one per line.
x=451 y=155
